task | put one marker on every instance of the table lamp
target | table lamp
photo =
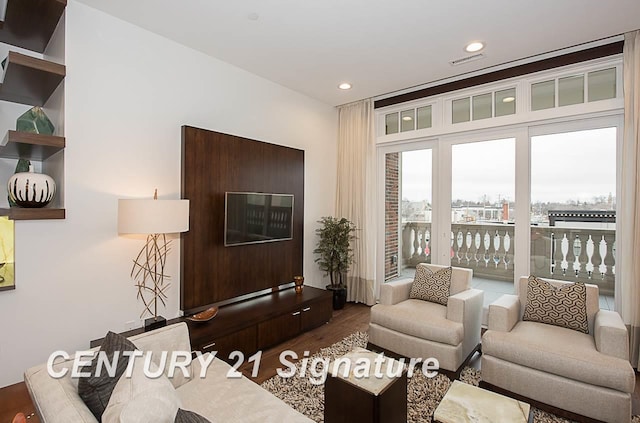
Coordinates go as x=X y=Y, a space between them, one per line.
x=155 y=218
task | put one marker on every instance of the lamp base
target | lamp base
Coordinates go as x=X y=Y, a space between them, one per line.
x=154 y=323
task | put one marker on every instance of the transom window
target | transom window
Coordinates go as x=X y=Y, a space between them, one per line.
x=574 y=89
x=512 y=100
x=409 y=120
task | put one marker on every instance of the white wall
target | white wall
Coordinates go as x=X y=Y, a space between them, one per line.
x=128 y=92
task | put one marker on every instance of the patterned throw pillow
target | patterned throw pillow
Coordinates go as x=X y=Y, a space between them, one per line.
x=429 y=286
x=94 y=390
x=565 y=306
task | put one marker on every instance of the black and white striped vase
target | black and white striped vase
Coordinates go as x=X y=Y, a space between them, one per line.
x=30 y=189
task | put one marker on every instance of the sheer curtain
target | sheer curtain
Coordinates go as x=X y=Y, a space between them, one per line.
x=629 y=219
x=355 y=194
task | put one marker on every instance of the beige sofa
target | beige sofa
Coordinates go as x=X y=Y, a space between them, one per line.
x=587 y=374
x=215 y=397
x=423 y=329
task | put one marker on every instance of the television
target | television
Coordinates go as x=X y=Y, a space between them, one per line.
x=254 y=217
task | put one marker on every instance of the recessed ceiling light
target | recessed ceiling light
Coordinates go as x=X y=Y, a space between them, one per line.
x=474 y=46
x=345 y=86
x=407 y=118
x=508 y=99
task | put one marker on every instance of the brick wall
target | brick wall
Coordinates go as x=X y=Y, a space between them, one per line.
x=391 y=253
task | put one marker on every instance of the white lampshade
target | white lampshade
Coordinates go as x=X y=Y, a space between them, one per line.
x=153 y=216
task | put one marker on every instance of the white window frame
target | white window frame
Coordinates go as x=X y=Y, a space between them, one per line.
x=441 y=104
x=521 y=126
x=422 y=144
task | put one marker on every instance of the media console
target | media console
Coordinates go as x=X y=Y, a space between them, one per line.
x=258 y=323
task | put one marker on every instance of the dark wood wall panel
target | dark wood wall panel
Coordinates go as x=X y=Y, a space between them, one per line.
x=212 y=164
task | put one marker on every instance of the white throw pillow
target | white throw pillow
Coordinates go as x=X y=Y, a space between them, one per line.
x=139 y=399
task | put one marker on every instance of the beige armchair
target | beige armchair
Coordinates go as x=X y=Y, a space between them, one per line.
x=588 y=374
x=422 y=329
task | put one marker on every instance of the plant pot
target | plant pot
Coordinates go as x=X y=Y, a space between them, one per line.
x=339 y=296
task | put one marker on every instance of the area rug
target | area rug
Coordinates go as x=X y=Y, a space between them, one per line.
x=423 y=394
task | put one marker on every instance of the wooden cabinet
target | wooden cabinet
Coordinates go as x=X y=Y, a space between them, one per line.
x=314 y=315
x=257 y=323
x=30 y=24
x=243 y=340
x=310 y=315
x=262 y=322
x=278 y=329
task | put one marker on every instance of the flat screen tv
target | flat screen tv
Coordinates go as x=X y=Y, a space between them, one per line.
x=253 y=217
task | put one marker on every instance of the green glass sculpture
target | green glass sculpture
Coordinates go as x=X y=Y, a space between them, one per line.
x=35 y=121
x=22 y=166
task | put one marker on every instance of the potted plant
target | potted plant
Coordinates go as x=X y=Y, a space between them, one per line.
x=335 y=254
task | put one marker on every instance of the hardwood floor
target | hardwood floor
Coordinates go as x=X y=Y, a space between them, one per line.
x=354 y=317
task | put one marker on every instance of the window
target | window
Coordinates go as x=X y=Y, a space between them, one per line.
x=461 y=110
x=482 y=218
x=548 y=178
x=483 y=106
x=410 y=120
x=571 y=90
x=391 y=123
x=424 y=117
x=573 y=205
x=543 y=95
x=407 y=211
x=505 y=102
x=600 y=85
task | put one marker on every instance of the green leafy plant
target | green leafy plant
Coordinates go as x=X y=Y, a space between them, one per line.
x=335 y=255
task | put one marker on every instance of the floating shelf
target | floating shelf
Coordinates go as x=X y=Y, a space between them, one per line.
x=28 y=80
x=30 y=23
x=24 y=145
x=19 y=213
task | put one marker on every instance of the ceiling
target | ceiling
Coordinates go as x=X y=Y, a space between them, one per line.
x=379 y=46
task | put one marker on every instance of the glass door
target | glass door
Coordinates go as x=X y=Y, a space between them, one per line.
x=573 y=208
x=408 y=211
x=483 y=213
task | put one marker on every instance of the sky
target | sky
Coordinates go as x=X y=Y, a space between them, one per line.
x=567 y=166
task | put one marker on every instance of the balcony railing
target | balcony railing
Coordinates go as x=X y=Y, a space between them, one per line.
x=584 y=255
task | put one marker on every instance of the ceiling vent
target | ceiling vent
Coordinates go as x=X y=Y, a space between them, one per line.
x=466 y=59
